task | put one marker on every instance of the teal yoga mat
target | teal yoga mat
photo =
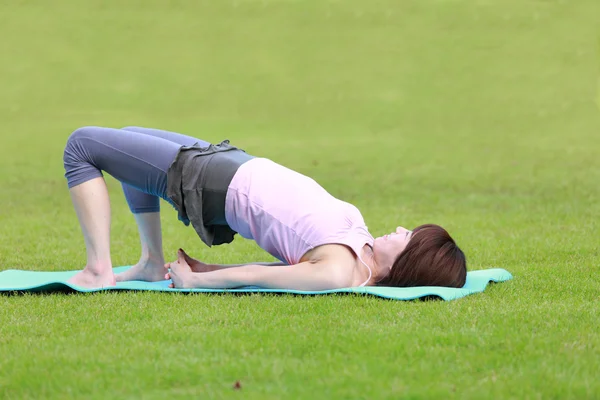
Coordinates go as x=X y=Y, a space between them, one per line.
x=38 y=281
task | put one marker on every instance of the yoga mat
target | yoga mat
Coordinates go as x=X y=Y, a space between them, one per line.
x=40 y=281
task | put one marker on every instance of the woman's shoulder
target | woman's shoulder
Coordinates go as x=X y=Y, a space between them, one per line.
x=341 y=261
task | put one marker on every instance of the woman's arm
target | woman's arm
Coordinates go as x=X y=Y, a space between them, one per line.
x=302 y=276
x=262 y=264
x=199 y=266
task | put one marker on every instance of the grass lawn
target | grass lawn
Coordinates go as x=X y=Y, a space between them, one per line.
x=479 y=115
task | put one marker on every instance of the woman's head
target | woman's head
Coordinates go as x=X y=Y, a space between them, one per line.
x=427 y=256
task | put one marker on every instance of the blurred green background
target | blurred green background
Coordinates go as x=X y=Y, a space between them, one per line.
x=478 y=115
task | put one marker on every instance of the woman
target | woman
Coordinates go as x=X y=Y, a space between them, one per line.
x=322 y=242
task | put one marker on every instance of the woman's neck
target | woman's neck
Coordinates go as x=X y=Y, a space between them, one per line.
x=369 y=258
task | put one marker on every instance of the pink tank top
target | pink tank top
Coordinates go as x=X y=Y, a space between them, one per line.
x=288 y=214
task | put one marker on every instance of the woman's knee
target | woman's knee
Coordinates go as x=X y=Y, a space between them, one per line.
x=78 y=134
x=76 y=157
x=74 y=142
x=132 y=128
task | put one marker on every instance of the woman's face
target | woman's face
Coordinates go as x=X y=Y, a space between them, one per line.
x=386 y=248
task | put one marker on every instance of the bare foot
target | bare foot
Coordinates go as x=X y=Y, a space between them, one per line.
x=92 y=280
x=195 y=265
x=148 y=272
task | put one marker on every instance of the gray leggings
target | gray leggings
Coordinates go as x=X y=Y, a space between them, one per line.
x=138 y=157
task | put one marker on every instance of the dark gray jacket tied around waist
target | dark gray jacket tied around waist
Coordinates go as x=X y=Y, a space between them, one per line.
x=197 y=183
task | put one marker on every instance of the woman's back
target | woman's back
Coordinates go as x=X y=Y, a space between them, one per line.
x=288 y=214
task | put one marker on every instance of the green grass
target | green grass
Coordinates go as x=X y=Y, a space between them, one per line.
x=478 y=115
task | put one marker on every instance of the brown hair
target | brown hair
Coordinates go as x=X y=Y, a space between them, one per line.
x=431 y=258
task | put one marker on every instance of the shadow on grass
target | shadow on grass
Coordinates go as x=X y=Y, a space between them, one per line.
x=67 y=291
